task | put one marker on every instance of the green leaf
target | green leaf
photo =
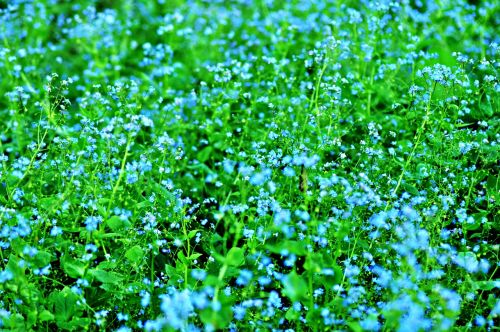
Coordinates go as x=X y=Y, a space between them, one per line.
x=3 y=192
x=76 y=324
x=182 y=258
x=292 y=314
x=218 y=319
x=19 y=280
x=235 y=257
x=143 y=205
x=101 y=236
x=486 y=285
x=204 y=154
x=171 y=272
x=46 y=316
x=355 y=326
x=493 y=186
x=313 y=263
x=295 y=287
x=72 y=267
x=31 y=319
x=47 y=203
x=116 y=223
x=42 y=258
x=473 y=226
x=107 y=277
x=135 y=254
x=193 y=233
x=64 y=305
x=194 y=256
x=410 y=189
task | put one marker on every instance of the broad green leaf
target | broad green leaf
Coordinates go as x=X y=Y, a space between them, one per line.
x=135 y=254
x=64 y=304
x=80 y=322
x=107 y=277
x=32 y=318
x=48 y=203
x=410 y=189
x=204 y=154
x=46 y=316
x=235 y=257
x=116 y=223
x=42 y=258
x=295 y=287
x=355 y=327
x=171 y=272
x=72 y=267
x=472 y=226
x=143 y=204
x=313 y=263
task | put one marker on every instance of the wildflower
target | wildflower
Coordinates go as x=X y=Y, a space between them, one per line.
x=145 y=299
x=177 y=308
x=55 y=231
x=274 y=300
x=480 y=321
x=282 y=216
x=6 y=275
x=43 y=271
x=288 y=171
x=92 y=222
x=452 y=299
x=468 y=261
x=258 y=179
x=370 y=324
x=239 y=312
x=244 y=277
x=199 y=274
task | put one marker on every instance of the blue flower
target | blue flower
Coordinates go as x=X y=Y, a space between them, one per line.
x=258 y=179
x=282 y=216
x=480 y=321
x=303 y=215
x=145 y=299
x=43 y=271
x=244 y=278
x=199 y=274
x=6 y=275
x=370 y=324
x=239 y=312
x=288 y=171
x=264 y=280
x=177 y=308
x=92 y=222
x=228 y=165
x=468 y=261
x=452 y=299
x=122 y=317
x=274 y=300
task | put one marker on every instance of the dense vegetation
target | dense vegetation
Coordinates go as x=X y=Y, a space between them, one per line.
x=249 y=165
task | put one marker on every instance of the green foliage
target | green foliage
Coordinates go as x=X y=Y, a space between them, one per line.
x=249 y=165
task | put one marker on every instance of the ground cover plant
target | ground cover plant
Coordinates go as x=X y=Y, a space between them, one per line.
x=249 y=165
